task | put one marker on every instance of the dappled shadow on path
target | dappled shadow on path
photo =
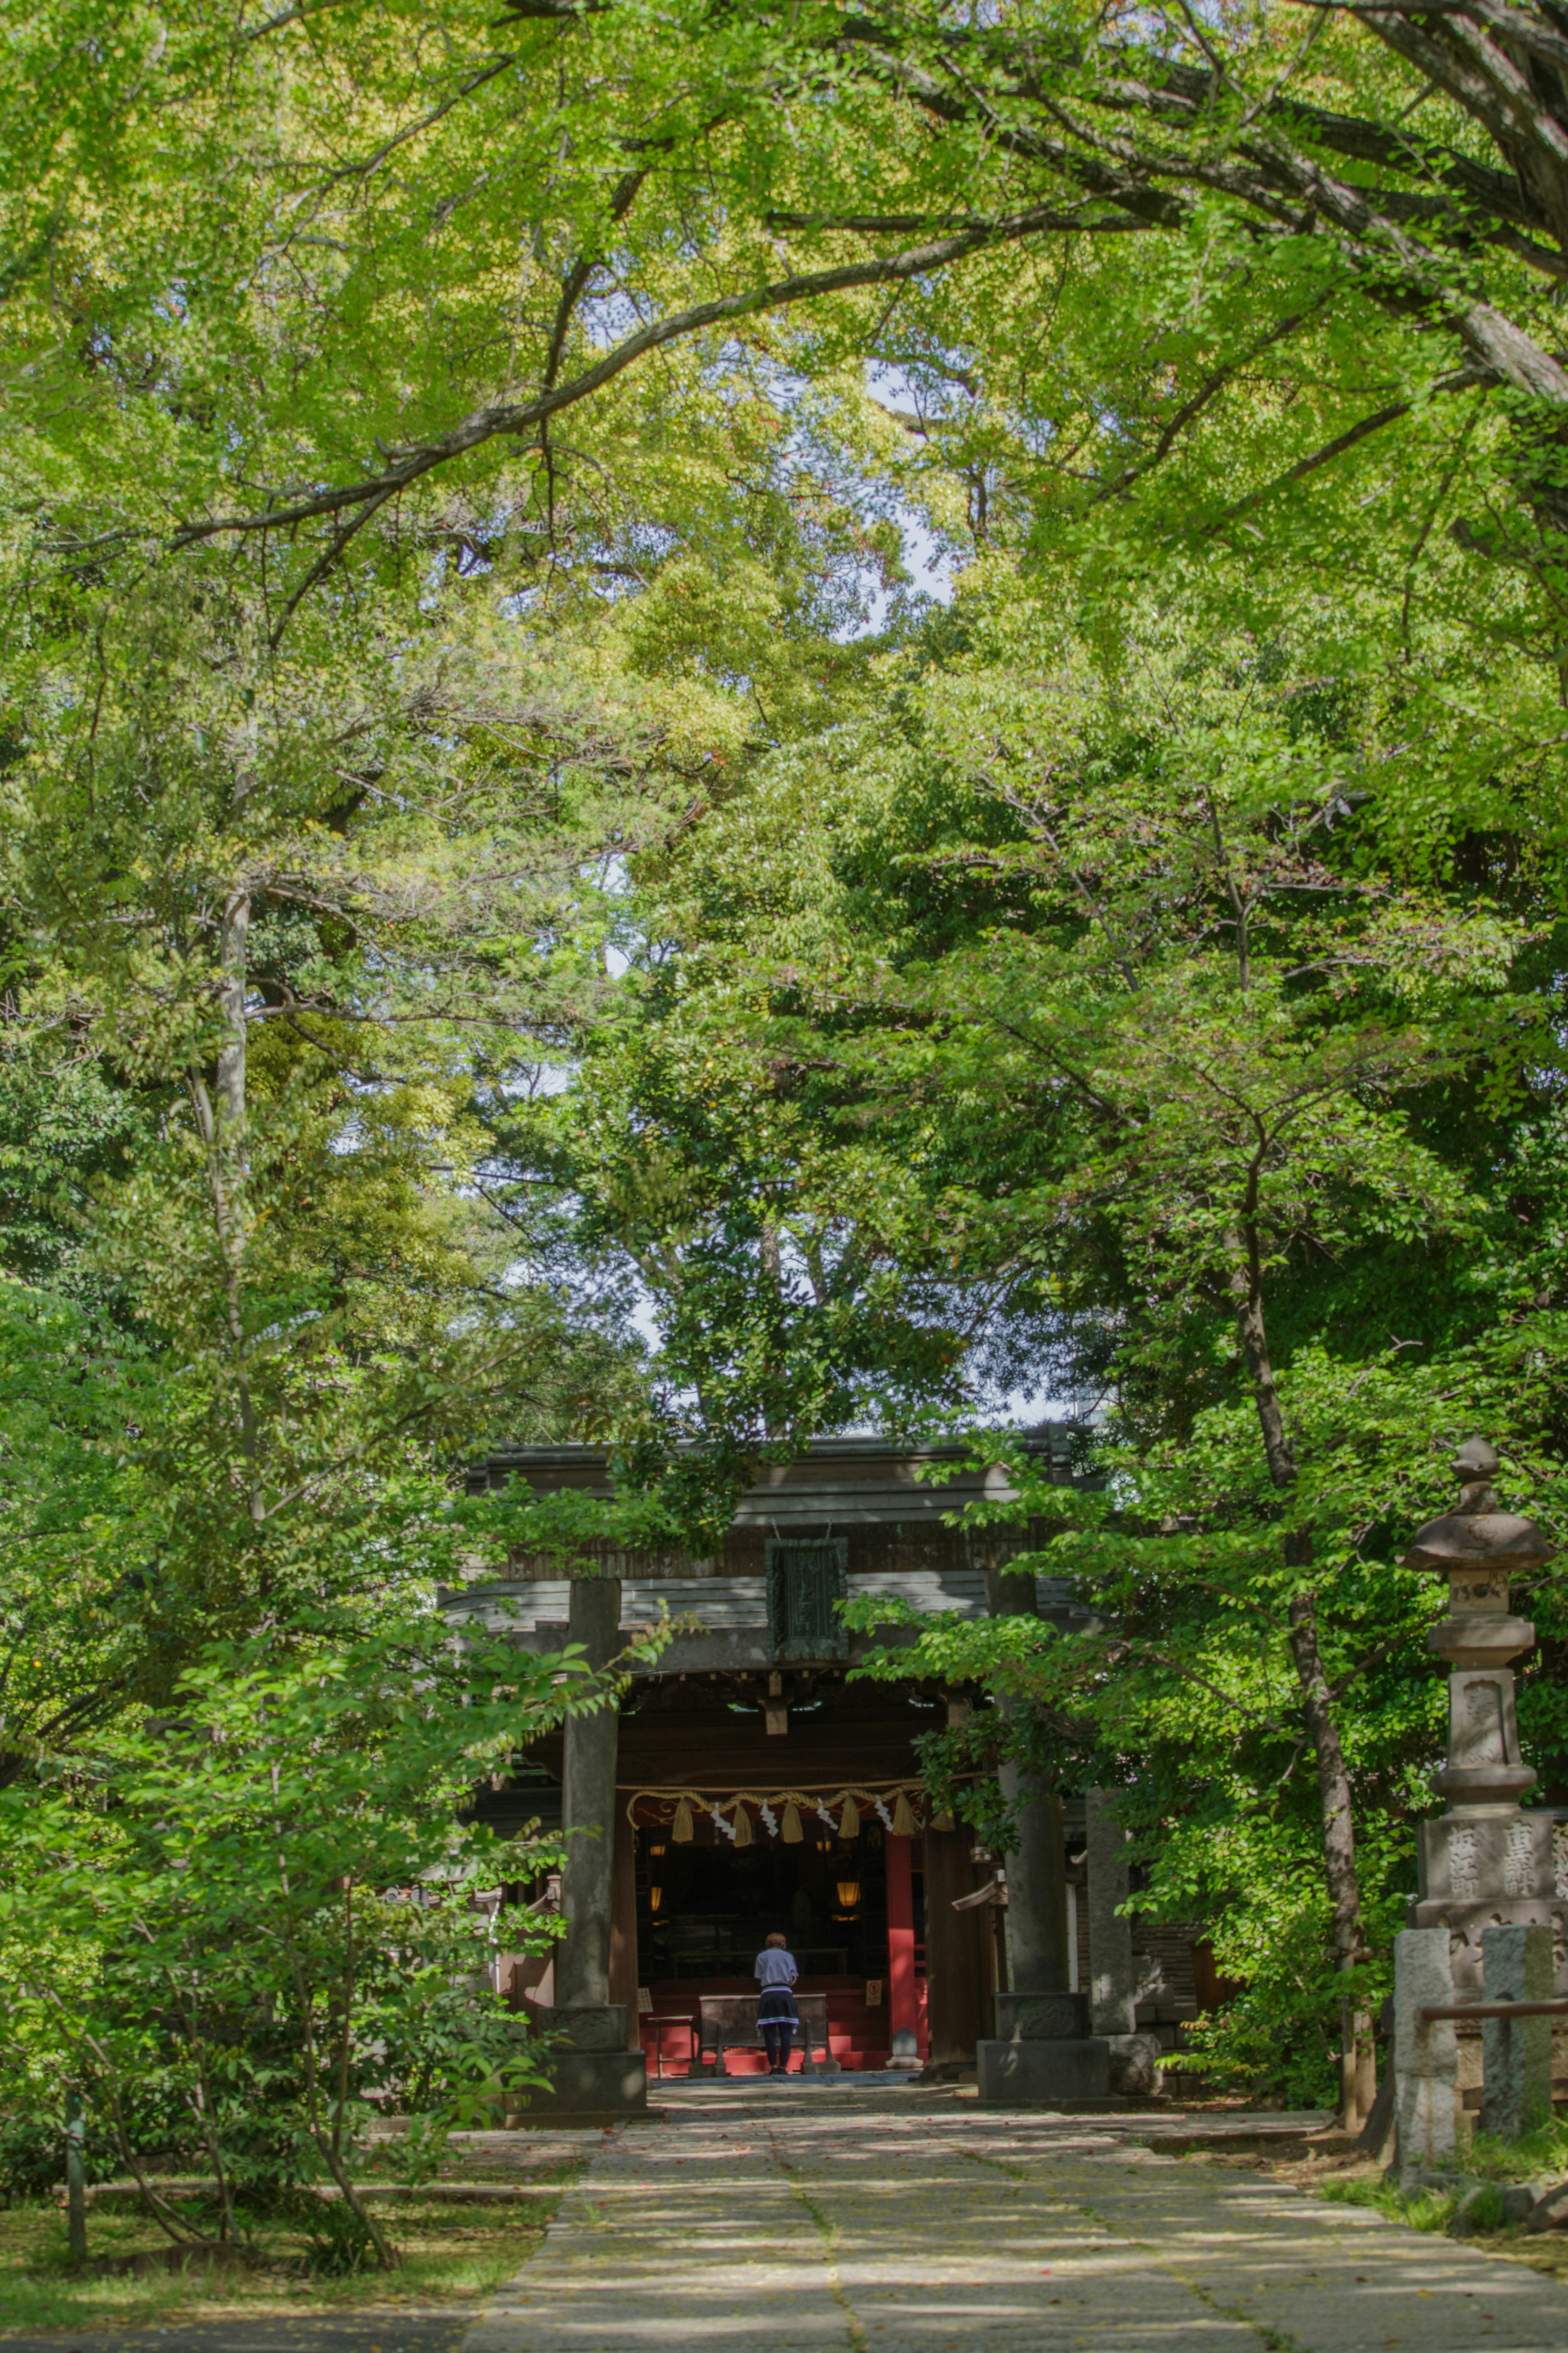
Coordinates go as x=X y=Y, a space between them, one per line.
x=855 y=2226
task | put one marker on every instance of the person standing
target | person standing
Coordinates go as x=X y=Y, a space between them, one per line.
x=777 y=2015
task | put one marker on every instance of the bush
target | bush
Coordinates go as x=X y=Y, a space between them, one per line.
x=258 y=1925
x=32 y=2156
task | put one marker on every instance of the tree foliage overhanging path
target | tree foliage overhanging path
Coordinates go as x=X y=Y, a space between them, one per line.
x=1079 y=989
x=363 y=359
x=340 y=251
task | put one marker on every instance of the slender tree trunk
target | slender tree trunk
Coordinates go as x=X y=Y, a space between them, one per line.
x=1334 y=1796
x=1334 y=1801
x=199 y=2101
x=345 y=2041
x=221 y=1118
x=329 y=2143
x=772 y=1275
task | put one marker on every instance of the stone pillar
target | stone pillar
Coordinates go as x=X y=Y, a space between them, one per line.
x=1134 y=2057
x=596 y=2073
x=1516 y=2051
x=1037 y=1888
x=1425 y=2055
x=1043 y=2053
x=1036 y=1869
x=954 y=1978
x=904 y=1998
x=1110 y=1983
x=591 y=1744
x=624 y=1926
x=1484 y=1862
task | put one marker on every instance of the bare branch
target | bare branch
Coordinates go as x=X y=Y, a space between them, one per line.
x=362 y=171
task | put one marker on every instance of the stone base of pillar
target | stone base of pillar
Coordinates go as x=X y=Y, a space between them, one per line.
x=594 y=2082
x=1060 y=2072
x=1042 y=2017
x=1135 y=2066
x=595 y=2072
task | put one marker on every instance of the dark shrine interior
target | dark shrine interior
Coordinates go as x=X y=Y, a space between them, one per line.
x=705 y=1908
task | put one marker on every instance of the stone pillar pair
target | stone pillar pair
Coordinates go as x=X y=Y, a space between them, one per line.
x=1515 y=2052
x=595 y=2073
x=1045 y=2053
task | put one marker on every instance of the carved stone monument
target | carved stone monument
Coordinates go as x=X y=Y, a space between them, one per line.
x=1485 y=1862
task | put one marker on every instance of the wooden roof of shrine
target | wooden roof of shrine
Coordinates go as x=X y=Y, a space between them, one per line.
x=845 y=1482
x=860 y=1495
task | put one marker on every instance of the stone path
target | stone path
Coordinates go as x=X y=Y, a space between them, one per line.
x=802 y=2222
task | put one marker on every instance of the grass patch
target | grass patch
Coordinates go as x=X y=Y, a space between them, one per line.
x=1543 y=2154
x=450 y=2253
x=1423 y=2210
x=1429 y=2210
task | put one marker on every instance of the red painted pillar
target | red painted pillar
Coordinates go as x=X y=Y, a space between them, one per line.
x=904 y=1998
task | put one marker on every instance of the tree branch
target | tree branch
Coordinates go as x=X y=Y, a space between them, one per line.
x=511 y=419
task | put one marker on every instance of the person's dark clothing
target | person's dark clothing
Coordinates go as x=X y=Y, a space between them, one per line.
x=777 y=2019
x=777 y=2035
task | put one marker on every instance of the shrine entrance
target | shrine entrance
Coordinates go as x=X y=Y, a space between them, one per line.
x=706 y=1904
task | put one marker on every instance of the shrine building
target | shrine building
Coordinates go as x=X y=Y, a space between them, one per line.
x=757 y=1788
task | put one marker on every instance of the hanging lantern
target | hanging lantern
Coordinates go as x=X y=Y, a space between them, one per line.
x=655 y=1898
x=659 y=1848
x=903 y=1819
x=849 y=1820
x=682 y=1822
x=742 y=1825
x=848 y=1894
x=792 y=1830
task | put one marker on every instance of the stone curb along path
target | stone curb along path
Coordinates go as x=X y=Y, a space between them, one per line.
x=794 y=2229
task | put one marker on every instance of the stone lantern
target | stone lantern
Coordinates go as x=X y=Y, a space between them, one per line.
x=1485 y=1862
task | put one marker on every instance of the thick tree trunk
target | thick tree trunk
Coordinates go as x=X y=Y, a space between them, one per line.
x=1334 y=1795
